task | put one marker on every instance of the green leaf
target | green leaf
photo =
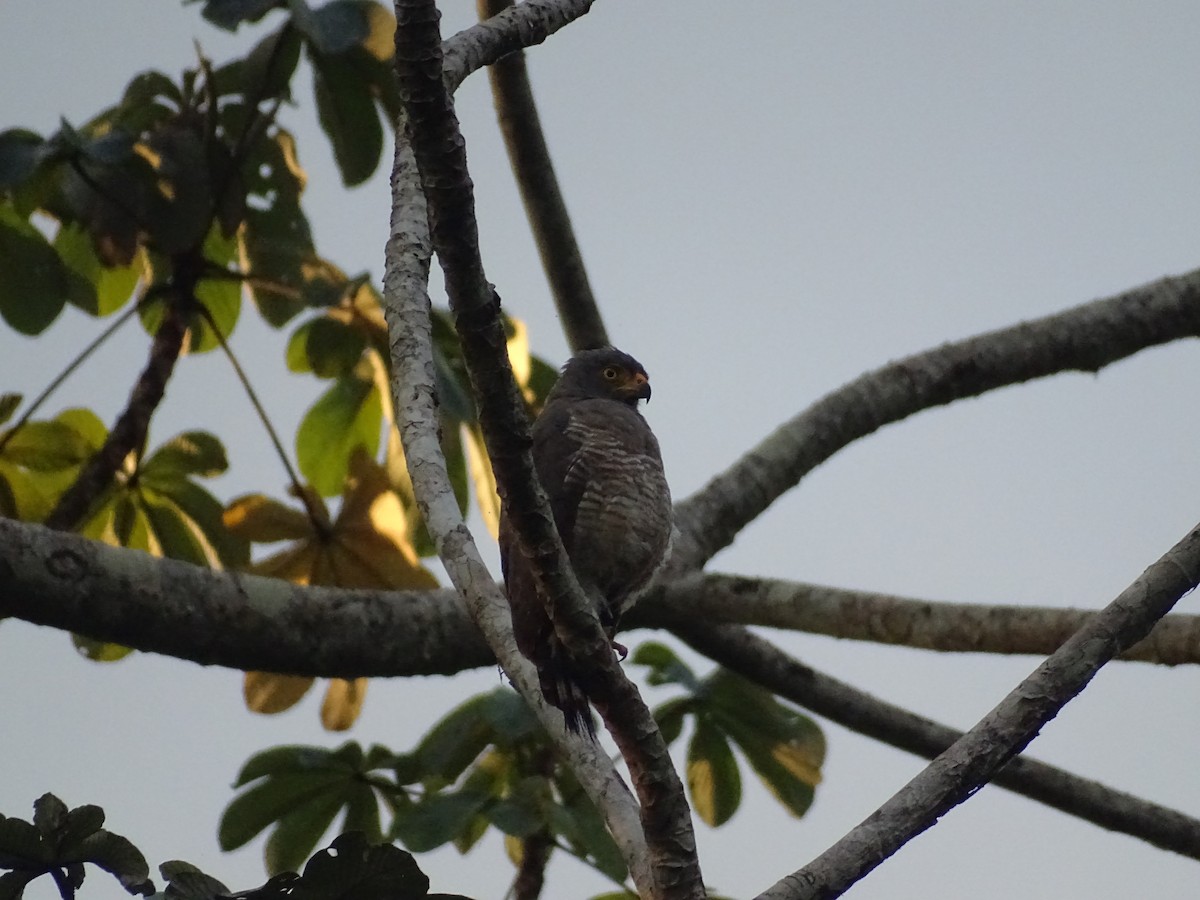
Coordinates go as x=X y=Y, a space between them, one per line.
x=229 y=14
x=8 y=405
x=712 y=774
x=333 y=28
x=33 y=280
x=346 y=111
x=438 y=819
x=99 y=651
x=47 y=446
x=665 y=666
x=362 y=812
x=291 y=758
x=325 y=347
x=119 y=857
x=669 y=717
x=49 y=815
x=293 y=839
x=207 y=515
x=188 y=453
x=186 y=882
x=18 y=156
x=346 y=417
x=585 y=829
x=455 y=741
x=95 y=288
x=255 y=809
x=173 y=533
x=784 y=747
x=269 y=67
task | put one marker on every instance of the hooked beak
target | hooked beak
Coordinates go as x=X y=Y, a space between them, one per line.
x=641 y=386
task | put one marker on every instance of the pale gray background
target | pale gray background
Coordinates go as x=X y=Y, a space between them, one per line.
x=772 y=198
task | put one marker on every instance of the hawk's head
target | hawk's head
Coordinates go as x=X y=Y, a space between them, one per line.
x=605 y=373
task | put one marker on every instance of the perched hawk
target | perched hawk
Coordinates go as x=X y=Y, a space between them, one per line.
x=600 y=465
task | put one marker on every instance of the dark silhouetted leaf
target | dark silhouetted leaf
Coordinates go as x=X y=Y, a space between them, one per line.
x=33 y=280
x=346 y=111
x=229 y=14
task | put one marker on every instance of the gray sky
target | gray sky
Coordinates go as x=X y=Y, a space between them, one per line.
x=771 y=198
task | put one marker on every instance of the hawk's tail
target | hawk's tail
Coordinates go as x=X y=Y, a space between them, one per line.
x=561 y=690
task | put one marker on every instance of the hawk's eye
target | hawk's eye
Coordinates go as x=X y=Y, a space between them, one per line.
x=611 y=373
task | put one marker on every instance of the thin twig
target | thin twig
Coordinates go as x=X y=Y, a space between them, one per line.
x=319 y=522
x=529 y=158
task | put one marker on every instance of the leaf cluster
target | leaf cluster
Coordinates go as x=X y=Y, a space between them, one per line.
x=783 y=747
x=486 y=764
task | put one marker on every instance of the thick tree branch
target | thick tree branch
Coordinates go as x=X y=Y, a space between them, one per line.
x=129 y=431
x=248 y=622
x=244 y=622
x=1086 y=338
x=974 y=759
x=524 y=25
x=887 y=619
x=407 y=308
x=757 y=659
x=540 y=193
x=437 y=144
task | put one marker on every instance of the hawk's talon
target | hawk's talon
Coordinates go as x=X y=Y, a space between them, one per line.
x=621 y=650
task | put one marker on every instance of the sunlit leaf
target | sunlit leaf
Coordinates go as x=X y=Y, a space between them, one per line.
x=482 y=477
x=99 y=651
x=346 y=417
x=95 y=288
x=270 y=693
x=46 y=446
x=713 y=779
x=188 y=453
x=343 y=702
x=261 y=519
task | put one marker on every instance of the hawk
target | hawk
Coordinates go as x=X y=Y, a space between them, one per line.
x=601 y=468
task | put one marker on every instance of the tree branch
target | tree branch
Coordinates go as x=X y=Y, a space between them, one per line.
x=757 y=659
x=244 y=622
x=406 y=305
x=129 y=431
x=1003 y=733
x=437 y=144
x=887 y=619
x=540 y=193
x=247 y=622
x=525 y=25
x=1086 y=338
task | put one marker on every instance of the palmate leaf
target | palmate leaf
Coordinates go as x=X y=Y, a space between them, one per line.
x=367 y=546
x=300 y=791
x=41 y=459
x=59 y=841
x=784 y=747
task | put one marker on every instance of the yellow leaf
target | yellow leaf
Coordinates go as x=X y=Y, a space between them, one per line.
x=518 y=354
x=343 y=702
x=485 y=481
x=259 y=518
x=515 y=848
x=802 y=760
x=296 y=563
x=270 y=693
